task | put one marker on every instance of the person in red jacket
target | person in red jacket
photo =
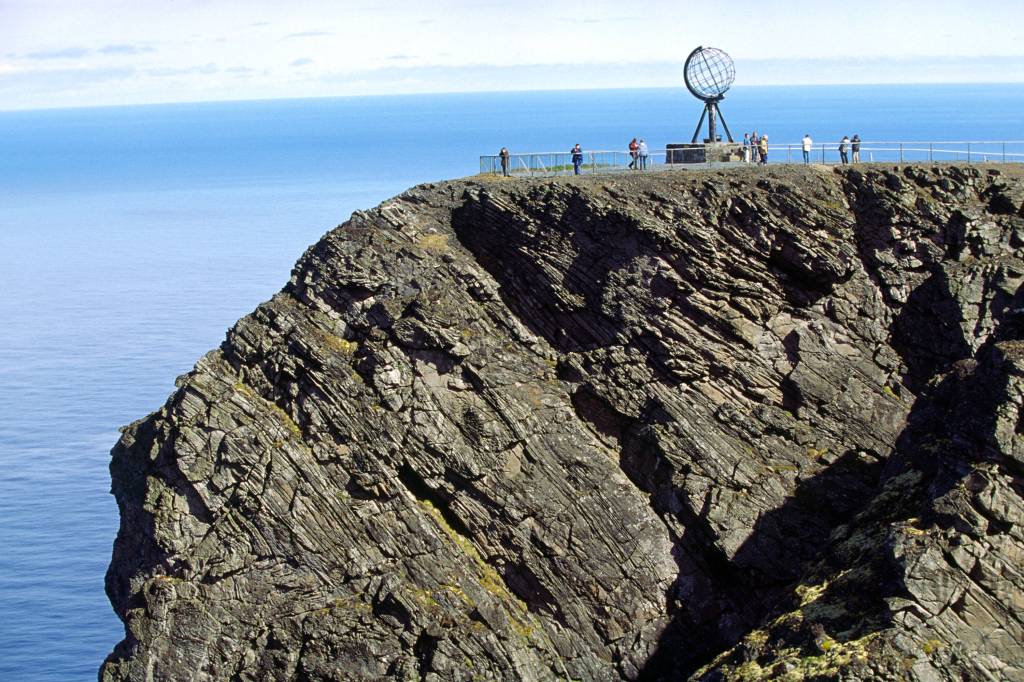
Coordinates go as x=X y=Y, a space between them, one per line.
x=634 y=152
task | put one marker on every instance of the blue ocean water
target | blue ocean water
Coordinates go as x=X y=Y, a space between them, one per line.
x=131 y=238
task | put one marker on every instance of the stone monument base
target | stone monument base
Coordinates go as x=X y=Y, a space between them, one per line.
x=704 y=152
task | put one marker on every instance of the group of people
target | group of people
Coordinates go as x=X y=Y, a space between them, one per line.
x=638 y=154
x=755 y=148
x=854 y=146
x=846 y=145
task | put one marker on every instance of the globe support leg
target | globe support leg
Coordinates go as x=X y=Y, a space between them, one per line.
x=700 y=124
x=724 y=124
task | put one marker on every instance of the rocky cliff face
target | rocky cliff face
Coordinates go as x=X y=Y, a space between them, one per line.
x=724 y=425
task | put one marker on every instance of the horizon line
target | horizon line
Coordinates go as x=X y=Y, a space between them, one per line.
x=253 y=100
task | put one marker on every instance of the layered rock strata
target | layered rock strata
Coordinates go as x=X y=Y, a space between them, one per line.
x=727 y=425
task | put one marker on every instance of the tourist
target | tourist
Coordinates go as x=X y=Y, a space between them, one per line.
x=504 y=161
x=807 y=144
x=843 y=144
x=762 y=146
x=746 y=147
x=855 y=147
x=577 y=159
x=644 y=153
x=633 y=153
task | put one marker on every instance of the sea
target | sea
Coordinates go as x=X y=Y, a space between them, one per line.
x=132 y=237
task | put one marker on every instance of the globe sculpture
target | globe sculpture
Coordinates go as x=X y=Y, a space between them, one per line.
x=709 y=73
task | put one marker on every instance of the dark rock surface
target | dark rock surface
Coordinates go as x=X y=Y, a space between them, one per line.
x=728 y=425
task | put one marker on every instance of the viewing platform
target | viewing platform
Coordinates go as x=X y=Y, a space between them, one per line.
x=605 y=161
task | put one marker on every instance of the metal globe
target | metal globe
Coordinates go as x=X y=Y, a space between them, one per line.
x=709 y=73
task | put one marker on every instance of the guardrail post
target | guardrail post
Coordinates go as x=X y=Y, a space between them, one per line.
x=901 y=152
x=930 y=159
x=789 y=153
x=1004 y=152
x=968 y=152
x=823 y=153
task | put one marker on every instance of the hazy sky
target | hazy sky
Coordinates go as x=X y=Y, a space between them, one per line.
x=91 y=52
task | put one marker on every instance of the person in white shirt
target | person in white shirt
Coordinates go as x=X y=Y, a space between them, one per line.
x=643 y=154
x=807 y=144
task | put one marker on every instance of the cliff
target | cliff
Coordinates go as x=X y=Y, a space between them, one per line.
x=727 y=425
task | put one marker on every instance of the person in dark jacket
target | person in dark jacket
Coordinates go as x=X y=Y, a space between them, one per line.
x=504 y=161
x=634 y=152
x=843 y=144
x=855 y=147
x=577 y=159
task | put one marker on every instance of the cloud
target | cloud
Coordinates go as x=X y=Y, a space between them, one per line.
x=125 y=49
x=304 y=61
x=405 y=77
x=257 y=24
x=63 y=53
x=880 y=70
x=604 y=20
x=54 y=80
x=309 y=34
x=205 y=69
x=242 y=70
x=399 y=58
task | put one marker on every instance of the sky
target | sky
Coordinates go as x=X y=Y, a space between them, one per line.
x=69 y=53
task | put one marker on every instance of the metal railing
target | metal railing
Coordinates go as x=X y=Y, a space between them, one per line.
x=604 y=161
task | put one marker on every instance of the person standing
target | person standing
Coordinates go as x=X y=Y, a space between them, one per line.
x=746 y=147
x=855 y=147
x=644 y=153
x=843 y=144
x=504 y=160
x=633 y=152
x=806 y=144
x=577 y=159
x=762 y=146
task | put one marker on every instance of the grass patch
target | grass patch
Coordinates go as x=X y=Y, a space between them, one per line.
x=433 y=242
x=285 y=418
x=340 y=345
x=815 y=453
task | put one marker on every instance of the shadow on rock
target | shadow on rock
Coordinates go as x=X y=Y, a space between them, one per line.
x=737 y=593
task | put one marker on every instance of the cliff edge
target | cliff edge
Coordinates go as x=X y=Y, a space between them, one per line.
x=719 y=425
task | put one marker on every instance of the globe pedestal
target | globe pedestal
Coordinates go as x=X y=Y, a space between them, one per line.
x=707 y=152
